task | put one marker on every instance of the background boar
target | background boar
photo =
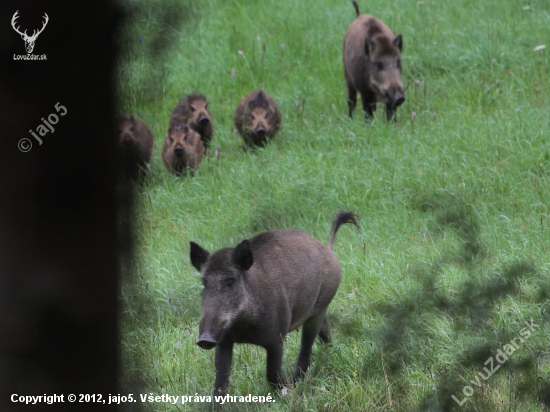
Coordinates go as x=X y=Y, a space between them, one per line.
x=136 y=145
x=372 y=65
x=193 y=111
x=257 y=118
x=182 y=149
x=264 y=288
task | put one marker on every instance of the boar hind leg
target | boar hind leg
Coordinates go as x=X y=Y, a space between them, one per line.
x=311 y=328
x=324 y=333
x=352 y=99
x=224 y=355
x=274 y=362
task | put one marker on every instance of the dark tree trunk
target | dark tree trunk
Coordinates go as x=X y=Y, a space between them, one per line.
x=59 y=254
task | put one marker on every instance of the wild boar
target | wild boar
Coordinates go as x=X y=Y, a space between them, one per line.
x=257 y=118
x=182 y=149
x=372 y=65
x=136 y=145
x=193 y=111
x=263 y=289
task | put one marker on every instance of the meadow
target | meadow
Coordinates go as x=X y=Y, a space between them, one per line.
x=453 y=199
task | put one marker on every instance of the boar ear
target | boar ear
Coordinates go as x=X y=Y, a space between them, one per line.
x=198 y=255
x=242 y=256
x=398 y=42
x=369 y=46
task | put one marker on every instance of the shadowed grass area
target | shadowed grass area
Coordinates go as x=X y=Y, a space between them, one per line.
x=452 y=257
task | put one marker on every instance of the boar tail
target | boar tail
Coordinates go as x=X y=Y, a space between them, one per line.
x=341 y=218
x=357 y=12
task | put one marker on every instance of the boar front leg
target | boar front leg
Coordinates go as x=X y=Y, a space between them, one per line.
x=274 y=363
x=369 y=103
x=224 y=355
x=391 y=111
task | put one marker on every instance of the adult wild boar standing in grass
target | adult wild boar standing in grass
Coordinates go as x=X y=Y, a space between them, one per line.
x=193 y=111
x=372 y=65
x=136 y=145
x=263 y=289
x=257 y=118
x=182 y=149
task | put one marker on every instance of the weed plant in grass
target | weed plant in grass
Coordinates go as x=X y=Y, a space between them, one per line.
x=454 y=201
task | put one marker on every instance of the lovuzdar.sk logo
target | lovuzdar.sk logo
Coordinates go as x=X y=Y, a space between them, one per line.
x=29 y=40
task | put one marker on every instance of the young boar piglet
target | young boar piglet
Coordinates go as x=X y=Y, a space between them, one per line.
x=182 y=149
x=263 y=289
x=136 y=144
x=257 y=118
x=372 y=65
x=193 y=111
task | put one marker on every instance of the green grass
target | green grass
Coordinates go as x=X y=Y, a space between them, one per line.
x=453 y=253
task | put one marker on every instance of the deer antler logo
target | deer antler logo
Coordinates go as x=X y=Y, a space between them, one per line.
x=29 y=40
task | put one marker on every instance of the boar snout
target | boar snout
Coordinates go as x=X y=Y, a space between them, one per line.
x=127 y=141
x=204 y=120
x=261 y=130
x=398 y=99
x=178 y=150
x=206 y=341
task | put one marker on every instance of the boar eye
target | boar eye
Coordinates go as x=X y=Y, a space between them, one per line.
x=132 y=129
x=203 y=281
x=192 y=109
x=229 y=283
x=170 y=139
x=379 y=66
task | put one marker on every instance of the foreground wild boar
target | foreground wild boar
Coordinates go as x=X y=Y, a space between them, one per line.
x=257 y=118
x=372 y=65
x=264 y=288
x=193 y=111
x=136 y=144
x=182 y=149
